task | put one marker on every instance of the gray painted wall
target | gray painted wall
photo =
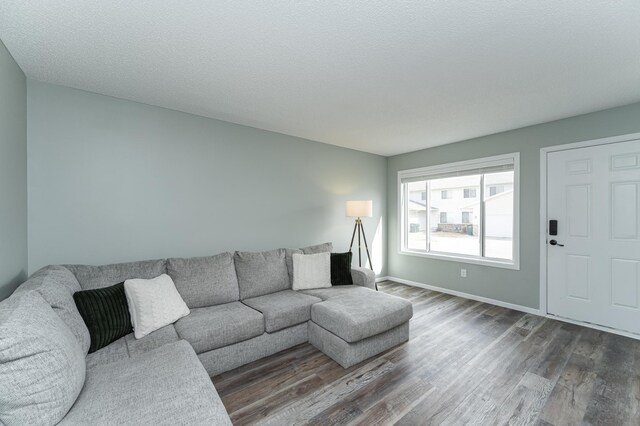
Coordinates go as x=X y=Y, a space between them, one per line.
x=112 y=180
x=13 y=174
x=518 y=287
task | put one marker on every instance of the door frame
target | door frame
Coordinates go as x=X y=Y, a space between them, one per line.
x=543 y=214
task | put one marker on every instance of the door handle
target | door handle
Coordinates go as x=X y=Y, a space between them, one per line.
x=555 y=243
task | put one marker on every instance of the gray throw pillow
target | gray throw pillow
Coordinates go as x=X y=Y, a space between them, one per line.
x=42 y=366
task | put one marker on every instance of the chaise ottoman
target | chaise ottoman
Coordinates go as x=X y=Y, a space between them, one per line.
x=354 y=323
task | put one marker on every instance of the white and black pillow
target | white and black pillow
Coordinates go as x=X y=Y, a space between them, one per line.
x=153 y=304
x=341 y=268
x=311 y=271
x=105 y=313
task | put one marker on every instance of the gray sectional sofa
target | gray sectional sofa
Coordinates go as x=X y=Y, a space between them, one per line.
x=242 y=309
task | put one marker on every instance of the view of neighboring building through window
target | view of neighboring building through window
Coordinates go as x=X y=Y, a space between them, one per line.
x=470 y=215
x=496 y=189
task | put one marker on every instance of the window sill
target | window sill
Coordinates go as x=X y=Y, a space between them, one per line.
x=495 y=263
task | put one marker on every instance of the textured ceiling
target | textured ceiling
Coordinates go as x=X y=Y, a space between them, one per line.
x=382 y=76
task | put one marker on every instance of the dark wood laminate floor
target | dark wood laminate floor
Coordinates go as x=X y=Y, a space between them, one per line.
x=466 y=363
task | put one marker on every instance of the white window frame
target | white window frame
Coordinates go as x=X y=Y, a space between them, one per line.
x=461 y=166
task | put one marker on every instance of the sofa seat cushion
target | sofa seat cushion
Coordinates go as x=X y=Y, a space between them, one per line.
x=129 y=346
x=283 y=309
x=151 y=341
x=353 y=318
x=221 y=325
x=338 y=292
x=113 y=352
x=166 y=386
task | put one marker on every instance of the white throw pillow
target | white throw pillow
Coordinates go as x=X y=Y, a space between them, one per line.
x=311 y=271
x=153 y=304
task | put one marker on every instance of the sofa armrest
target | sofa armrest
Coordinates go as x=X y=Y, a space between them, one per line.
x=363 y=277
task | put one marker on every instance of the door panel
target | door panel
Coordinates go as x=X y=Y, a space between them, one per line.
x=624 y=282
x=593 y=271
x=578 y=276
x=624 y=214
x=578 y=210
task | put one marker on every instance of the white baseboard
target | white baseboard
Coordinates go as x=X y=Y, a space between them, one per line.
x=595 y=326
x=511 y=306
x=468 y=296
x=380 y=279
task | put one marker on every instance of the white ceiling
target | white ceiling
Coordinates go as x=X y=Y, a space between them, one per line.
x=382 y=76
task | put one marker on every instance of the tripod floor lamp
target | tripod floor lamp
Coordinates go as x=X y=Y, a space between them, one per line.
x=360 y=209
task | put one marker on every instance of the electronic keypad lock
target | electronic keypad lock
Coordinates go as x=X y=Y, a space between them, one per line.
x=553 y=227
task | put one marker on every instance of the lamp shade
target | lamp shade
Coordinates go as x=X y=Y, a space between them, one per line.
x=359 y=208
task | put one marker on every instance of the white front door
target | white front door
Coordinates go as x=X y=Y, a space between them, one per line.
x=593 y=262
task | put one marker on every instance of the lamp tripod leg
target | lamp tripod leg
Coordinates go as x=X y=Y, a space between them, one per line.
x=353 y=235
x=366 y=246
x=359 y=225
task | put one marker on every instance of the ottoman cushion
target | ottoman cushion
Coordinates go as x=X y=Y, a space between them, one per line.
x=353 y=318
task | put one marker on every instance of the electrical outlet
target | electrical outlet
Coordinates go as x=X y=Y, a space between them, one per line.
x=463 y=273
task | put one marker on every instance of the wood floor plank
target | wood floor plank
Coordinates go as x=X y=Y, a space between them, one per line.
x=308 y=407
x=524 y=404
x=568 y=400
x=502 y=363
x=466 y=362
x=610 y=399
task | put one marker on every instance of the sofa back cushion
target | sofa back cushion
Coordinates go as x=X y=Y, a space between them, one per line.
x=319 y=248
x=205 y=281
x=42 y=366
x=56 y=285
x=261 y=273
x=91 y=277
x=289 y=261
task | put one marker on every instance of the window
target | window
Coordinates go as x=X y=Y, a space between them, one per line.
x=495 y=190
x=423 y=195
x=470 y=193
x=479 y=227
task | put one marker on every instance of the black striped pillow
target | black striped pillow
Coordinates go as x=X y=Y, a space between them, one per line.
x=106 y=314
x=341 y=268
